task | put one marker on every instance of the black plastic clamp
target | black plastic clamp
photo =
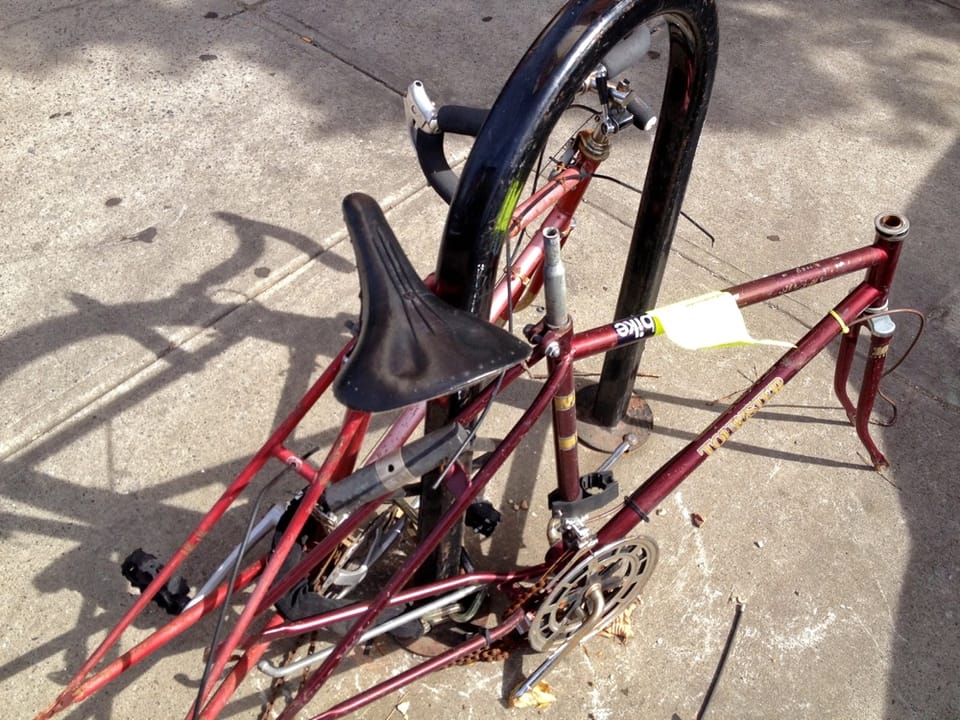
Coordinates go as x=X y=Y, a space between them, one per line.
x=596 y=490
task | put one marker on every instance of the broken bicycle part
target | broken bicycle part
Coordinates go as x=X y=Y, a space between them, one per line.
x=594 y=606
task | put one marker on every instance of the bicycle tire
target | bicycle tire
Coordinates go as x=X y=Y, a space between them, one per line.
x=542 y=87
x=539 y=91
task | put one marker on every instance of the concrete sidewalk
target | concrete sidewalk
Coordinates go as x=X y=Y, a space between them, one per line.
x=173 y=273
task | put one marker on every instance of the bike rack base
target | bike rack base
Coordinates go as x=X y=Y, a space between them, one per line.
x=637 y=420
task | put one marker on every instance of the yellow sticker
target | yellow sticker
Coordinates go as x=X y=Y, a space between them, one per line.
x=711 y=320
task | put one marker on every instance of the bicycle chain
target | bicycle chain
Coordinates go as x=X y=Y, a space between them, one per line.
x=502 y=648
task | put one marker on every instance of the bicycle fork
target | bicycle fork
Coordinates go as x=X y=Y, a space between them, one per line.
x=890 y=231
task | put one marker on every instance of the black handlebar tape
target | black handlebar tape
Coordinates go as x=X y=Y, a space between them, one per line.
x=644 y=116
x=457 y=119
x=461 y=120
x=434 y=164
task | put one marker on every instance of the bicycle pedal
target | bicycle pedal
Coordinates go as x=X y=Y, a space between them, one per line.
x=482 y=518
x=140 y=568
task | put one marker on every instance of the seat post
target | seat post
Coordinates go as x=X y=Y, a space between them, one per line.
x=554 y=280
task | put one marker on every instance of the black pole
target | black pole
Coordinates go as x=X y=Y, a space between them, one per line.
x=689 y=79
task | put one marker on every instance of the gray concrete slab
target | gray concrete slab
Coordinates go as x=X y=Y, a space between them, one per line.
x=173 y=275
x=160 y=169
x=411 y=41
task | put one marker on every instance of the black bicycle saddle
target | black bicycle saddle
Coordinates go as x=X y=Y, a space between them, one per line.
x=412 y=345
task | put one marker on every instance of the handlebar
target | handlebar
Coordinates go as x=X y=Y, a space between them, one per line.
x=428 y=124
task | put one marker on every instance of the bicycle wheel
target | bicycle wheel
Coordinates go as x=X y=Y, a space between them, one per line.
x=547 y=83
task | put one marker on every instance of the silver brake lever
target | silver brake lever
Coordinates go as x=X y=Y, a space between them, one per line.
x=419 y=110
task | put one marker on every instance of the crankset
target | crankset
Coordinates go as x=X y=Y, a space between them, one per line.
x=618 y=571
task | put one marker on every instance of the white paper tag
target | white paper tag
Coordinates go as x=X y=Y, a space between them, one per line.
x=711 y=320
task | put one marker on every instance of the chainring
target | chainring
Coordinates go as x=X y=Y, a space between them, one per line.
x=620 y=568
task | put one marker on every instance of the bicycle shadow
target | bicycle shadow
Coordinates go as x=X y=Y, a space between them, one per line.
x=99 y=519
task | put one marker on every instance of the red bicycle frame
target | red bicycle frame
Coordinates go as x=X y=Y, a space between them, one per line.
x=879 y=259
x=691 y=66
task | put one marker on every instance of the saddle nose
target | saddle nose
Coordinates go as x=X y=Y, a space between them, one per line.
x=412 y=345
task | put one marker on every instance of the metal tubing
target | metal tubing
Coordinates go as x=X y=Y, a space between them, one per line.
x=845 y=355
x=593 y=593
x=526 y=274
x=554 y=280
x=872 y=373
x=595 y=341
x=473 y=410
x=478 y=642
x=676 y=470
x=521 y=121
x=605 y=337
x=318 y=622
x=546 y=197
x=399 y=432
x=266 y=524
x=333 y=468
x=302 y=467
x=566 y=452
x=891 y=229
x=415 y=614
x=693 y=56
x=541 y=87
x=771 y=286
x=316 y=555
x=161 y=637
x=248 y=660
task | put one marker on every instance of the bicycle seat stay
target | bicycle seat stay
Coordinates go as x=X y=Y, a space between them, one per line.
x=412 y=345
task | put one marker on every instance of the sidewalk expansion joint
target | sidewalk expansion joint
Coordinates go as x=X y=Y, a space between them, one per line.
x=313 y=42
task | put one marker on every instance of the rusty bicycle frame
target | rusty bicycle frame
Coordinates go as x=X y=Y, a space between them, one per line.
x=465 y=279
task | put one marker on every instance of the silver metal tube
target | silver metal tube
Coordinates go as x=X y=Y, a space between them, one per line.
x=273 y=671
x=266 y=524
x=595 y=595
x=554 y=279
x=629 y=441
